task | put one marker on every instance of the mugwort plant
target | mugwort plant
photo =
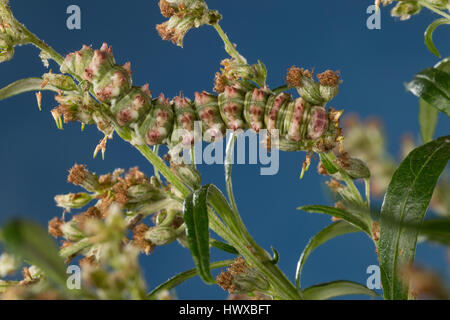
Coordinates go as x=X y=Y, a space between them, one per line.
x=126 y=212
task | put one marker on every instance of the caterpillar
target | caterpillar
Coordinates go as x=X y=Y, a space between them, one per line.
x=302 y=125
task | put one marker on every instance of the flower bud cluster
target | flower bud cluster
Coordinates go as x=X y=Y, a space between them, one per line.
x=404 y=9
x=184 y=15
x=11 y=34
x=303 y=124
x=240 y=278
x=136 y=196
x=237 y=73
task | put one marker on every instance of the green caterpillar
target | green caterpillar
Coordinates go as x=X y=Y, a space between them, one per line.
x=302 y=125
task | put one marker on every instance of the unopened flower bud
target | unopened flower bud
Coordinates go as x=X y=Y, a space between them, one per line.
x=406 y=9
x=357 y=169
x=71 y=231
x=59 y=81
x=72 y=200
x=161 y=235
x=187 y=173
x=11 y=33
x=319 y=122
x=6 y=51
x=183 y=16
x=141 y=193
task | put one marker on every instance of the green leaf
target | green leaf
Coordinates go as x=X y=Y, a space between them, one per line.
x=195 y=211
x=433 y=86
x=334 y=230
x=443 y=65
x=349 y=216
x=223 y=246
x=24 y=85
x=427 y=114
x=222 y=208
x=31 y=242
x=405 y=204
x=336 y=289
x=436 y=230
x=182 y=277
x=328 y=164
x=429 y=35
x=427 y=118
x=276 y=256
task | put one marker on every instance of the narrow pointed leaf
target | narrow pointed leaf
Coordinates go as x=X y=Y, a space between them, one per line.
x=428 y=115
x=436 y=230
x=429 y=35
x=223 y=246
x=24 y=85
x=348 y=216
x=195 y=210
x=332 y=231
x=184 y=276
x=433 y=86
x=31 y=242
x=405 y=204
x=336 y=289
x=427 y=118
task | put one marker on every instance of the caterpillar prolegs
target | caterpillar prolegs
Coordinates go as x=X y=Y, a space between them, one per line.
x=301 y=124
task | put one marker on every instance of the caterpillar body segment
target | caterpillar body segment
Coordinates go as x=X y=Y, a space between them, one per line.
x=301 y=124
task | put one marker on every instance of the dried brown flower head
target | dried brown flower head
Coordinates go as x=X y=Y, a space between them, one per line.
x=54 y=227
x=294 y=76
x=77 y=174
x=220 y=82
x=139 y=239
x=166 y=9
x=329 y=78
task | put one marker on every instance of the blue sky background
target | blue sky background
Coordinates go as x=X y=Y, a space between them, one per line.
x=324 y=34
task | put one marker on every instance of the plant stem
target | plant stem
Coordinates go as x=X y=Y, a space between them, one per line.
x=432 y=8
x=367 y=185
x=229 y=185
x=255 y=255
x=182 y=277
x=229 y=47
x=42 y=45
x=257 y=258
x=163 y=169
x=348 y=180
x=156 y=151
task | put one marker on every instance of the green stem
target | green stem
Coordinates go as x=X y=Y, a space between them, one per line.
x=367 y=185
x=163 y=169
x=229 y=47
x=432 y=8
x=348 y=180
x=255 y=255
x=280 y=89
x=41 y=44
x=194 y=165
x=257 y=258
x=229 y=185
x=75 y=248
x=157 y=175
